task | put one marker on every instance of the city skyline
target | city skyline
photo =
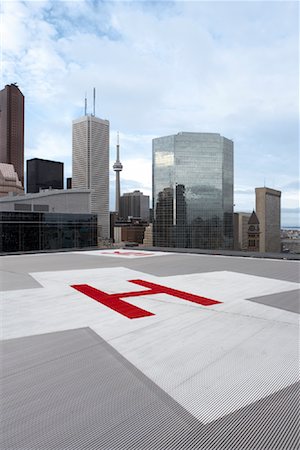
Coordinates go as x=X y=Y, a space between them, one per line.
x=161 y=68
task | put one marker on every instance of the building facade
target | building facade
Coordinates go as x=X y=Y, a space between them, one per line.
x=72 y=201
x=134 y=204
x=44 y=174
x=193 y=191
x=90 y=165
x=268 y=213
x=253 y=233
x=35 y=231
x=9 y=180
x=12 y=128
x=130 y=231
x=240 y=230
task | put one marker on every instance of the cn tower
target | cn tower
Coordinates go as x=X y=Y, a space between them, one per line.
x=118 y=168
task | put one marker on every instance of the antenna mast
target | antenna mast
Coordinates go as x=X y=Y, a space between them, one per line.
x=94 y=101
x=85 y=105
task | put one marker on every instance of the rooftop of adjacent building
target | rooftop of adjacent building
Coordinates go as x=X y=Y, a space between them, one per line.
x=135 y=193
x=90 y=117
x=196 y=134
x=266 y=190
x=44 y=160
x=12 y=197
x=12 y=86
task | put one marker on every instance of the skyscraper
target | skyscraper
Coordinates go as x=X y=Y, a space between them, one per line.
x=118 y=168
x=193 y=191
x=134 y=204
x=12 y=128
x=268 y=213
x=90 y=165
x=44 y=174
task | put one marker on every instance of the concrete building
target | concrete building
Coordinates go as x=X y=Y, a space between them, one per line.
x=240 y=230
x=71 y=201
x=130 y=231
x=148 y=236
x=134 y=204
x=44 y=174
x=90 y=165
x=193 y=191
x=268 y=213
x=9 y=180
x=12 y=128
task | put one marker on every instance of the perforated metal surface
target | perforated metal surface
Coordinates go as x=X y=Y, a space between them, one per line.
x=288 y=301
x=15 y=269
x=72 y=390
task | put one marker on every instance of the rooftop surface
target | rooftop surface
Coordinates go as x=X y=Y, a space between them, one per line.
x=131 y=349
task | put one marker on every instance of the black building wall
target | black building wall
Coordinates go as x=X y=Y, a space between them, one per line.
x=33 y=231
x=44 y=174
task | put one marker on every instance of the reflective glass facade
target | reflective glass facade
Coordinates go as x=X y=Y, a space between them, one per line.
x=29 y=231
x=193 y=191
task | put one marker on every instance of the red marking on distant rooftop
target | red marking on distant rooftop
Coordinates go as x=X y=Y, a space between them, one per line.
x=127 y=253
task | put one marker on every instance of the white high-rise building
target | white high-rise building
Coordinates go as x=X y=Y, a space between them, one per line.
x=90 y=165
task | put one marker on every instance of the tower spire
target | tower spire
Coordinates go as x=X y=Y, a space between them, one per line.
x=94 y=102
x=118 y=168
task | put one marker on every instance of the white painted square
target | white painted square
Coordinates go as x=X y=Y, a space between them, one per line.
x=122 y=253
x=213 y=360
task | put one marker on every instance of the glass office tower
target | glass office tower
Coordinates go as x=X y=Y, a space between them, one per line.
x=193 y=191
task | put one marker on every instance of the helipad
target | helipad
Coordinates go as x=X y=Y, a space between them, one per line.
x=117 y=349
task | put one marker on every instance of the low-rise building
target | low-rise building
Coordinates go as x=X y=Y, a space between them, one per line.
x=50 y=219
x=50 y=200
x=129 y=231
x=240 y=230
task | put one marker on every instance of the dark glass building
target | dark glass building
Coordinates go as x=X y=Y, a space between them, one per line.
x=44 y=174
x=193 y=191
x=31 y=231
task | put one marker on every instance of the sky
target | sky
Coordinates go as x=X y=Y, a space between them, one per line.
x=160 y=68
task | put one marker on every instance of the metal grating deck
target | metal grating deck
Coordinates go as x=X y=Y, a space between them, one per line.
x=72 y=390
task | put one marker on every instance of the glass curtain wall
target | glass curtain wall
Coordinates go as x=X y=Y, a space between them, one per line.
x=193 y=191
x=45 y=231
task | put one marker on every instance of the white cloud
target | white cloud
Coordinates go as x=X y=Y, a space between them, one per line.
x=228 y=67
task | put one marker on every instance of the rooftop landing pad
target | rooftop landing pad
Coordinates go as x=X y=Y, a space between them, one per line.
x=78 y=373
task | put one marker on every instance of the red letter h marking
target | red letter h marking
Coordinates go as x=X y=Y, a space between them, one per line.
x=113 y=301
